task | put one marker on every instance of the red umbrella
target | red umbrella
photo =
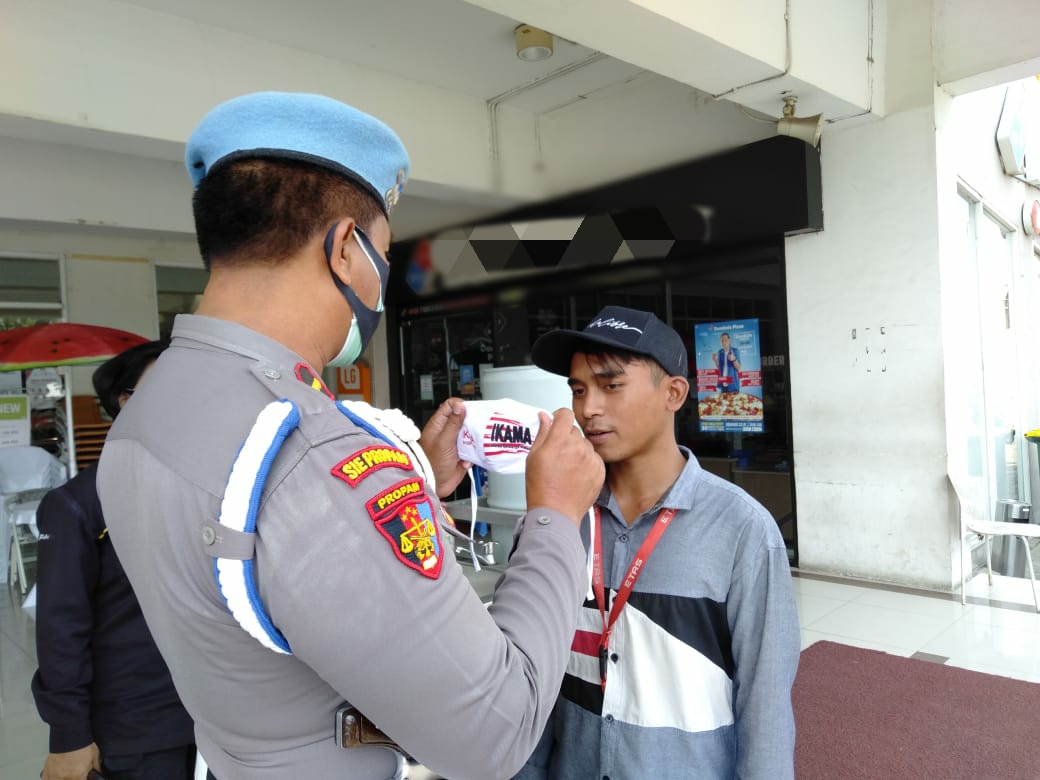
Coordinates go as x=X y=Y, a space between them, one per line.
x=62 y=344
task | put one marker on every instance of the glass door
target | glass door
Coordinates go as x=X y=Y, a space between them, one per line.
x=1000 y=365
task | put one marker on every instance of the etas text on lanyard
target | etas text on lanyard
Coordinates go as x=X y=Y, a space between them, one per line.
x=625 y=590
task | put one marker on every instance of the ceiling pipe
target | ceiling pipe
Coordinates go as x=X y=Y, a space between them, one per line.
x=497 y=100
x=787 y=59
x=787 y=64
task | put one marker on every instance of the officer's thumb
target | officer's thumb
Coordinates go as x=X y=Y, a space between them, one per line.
x=545 y=423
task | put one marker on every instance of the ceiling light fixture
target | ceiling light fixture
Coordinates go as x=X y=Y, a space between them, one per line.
x=532 y=43
x=805 y=129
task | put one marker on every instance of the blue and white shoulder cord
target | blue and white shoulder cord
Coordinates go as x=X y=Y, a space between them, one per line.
x=236 y=579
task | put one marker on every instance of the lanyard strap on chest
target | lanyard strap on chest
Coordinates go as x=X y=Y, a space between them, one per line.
x=625 y=590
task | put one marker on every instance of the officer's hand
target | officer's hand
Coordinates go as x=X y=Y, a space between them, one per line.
x=439 y=441
x=73 y=765
x=563 y=471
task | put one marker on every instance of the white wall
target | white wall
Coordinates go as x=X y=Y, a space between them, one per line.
x=966 y=154
x=112 y=291
x=738 y=48
x=978 y=45
x=121 y=68
x=73 y=185
x=652 y=122
x=869 y=436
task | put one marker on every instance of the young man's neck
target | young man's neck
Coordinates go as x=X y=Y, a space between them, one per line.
x=642 y=480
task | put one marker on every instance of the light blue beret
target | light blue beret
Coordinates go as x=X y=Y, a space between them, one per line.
x=299 y=126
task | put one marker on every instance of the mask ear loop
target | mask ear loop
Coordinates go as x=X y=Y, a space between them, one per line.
x=473 y=518
x=591 y=595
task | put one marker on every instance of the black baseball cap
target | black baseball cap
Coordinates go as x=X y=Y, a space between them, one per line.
x=615 y=327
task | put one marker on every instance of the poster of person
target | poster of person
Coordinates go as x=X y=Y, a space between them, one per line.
x=729 y=376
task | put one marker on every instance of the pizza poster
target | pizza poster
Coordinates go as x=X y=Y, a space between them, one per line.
x=729 y=376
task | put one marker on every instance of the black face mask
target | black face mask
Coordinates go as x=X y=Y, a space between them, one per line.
x=367 y=319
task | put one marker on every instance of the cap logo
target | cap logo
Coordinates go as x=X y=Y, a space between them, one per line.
x=394 y=193
x=612 y=323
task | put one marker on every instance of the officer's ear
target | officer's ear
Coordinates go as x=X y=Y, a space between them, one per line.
x=339 y=248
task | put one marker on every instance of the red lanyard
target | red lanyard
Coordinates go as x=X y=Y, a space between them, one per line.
x=625 y=590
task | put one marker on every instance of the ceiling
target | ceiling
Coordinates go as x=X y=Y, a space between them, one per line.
x=631 y=119
x=449 y=44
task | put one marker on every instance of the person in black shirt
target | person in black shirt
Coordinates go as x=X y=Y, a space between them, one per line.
x=101 y=686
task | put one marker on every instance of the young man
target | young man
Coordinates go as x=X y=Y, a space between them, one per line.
x=682 y=664
x=285 y=548
x=102 y=686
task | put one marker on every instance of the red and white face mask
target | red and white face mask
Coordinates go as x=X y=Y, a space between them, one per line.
x=497 y=435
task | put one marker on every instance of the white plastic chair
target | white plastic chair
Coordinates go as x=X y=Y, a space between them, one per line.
x=26 y=474
x=990 y=528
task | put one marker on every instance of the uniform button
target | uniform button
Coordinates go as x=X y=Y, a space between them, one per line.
x=270 y=373
x=610 y=718
x=623 y=538
x=614 y=657
x=544 y=520
x=208 y=535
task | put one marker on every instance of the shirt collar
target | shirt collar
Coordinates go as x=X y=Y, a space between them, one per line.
x=232 y=337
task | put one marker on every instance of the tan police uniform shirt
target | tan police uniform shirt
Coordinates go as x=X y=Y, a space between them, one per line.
x=463 y=688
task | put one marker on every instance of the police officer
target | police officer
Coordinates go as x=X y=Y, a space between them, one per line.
x=288 y=550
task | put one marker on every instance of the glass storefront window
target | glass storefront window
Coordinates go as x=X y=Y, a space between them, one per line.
x=442 y=344
x=30 y=291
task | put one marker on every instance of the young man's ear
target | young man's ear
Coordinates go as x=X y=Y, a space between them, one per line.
x=678 y=389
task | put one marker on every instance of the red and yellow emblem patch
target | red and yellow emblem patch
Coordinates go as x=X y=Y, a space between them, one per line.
x=389 y=499
x=411 y=529
x=363 y=463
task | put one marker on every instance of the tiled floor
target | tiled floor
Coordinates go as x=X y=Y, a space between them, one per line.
x=23 y=737
x=997 y=632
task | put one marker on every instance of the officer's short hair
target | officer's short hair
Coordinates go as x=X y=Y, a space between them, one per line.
x=121 y=373
x=264 y=210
